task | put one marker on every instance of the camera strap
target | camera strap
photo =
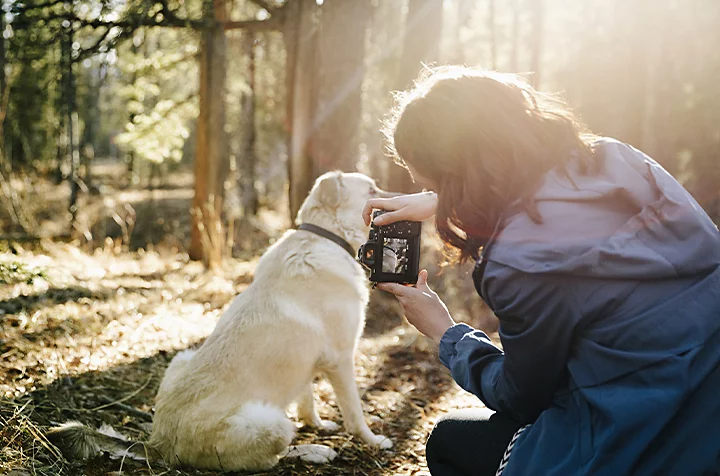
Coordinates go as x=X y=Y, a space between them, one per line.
x=329 y=235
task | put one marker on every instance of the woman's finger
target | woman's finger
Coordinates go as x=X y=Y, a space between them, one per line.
x=370 y=205
x=422 y=279
x=367 y=212
x=397 y=289
x=389 y=204
x=390 y=217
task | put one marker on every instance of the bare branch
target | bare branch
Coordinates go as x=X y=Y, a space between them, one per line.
x=109 y=44
x=264 y=4
x=39 y=6
x=131 y=22
x=272 y=23
x=169 y=14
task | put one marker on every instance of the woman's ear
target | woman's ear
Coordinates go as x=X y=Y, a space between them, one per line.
x=330 y=188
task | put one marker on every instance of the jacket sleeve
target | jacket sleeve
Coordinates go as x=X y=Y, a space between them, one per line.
x=538 y=316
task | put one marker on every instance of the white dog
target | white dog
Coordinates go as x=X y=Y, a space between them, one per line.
x=223 y=405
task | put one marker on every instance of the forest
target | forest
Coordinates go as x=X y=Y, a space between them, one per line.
x=152 y=150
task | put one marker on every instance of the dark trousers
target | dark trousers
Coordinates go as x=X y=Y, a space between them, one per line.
x=469 y=442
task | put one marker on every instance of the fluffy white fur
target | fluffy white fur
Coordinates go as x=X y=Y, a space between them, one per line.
x=223 y=406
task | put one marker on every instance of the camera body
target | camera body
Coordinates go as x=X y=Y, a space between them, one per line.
x=392 y=252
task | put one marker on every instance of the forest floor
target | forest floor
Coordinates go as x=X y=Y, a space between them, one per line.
x=86 y=334
x=87 y=338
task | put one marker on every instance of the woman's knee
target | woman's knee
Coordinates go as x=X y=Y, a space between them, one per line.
x=452 y=447
x=451 y=429
x=439 y=434
x=438 y=446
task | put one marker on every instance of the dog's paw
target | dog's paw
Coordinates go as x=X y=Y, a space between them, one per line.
x=318 y=454
x=382 y=442
x=328 y=425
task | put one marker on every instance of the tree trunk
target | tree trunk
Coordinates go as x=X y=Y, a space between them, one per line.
x=2 y=67
x=705 y=163
x=536 y=43
x=73 y=156
x=421 y=41
x=211 y=142
x=514 y=52
x=91 y=122
x=325 y=72
x=492 y=44
x=383 y=57
x=300 y=36
x=343 y=26
x=654 y=45
x=248 y=159
x=464 y=15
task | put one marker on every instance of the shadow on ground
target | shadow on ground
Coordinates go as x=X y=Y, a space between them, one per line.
x=89 y=398
x=53 y=296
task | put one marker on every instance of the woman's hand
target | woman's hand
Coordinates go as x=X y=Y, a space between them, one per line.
x=423 y=308
x=413 y=207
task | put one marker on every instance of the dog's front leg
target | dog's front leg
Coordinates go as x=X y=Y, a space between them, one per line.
x=307 y=414
x=342 y=378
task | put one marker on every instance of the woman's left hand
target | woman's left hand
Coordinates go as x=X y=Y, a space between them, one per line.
x=423 y=308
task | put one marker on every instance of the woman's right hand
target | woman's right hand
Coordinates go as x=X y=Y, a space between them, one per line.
x=413 y=207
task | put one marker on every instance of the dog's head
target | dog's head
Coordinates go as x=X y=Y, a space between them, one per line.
x=336 y=201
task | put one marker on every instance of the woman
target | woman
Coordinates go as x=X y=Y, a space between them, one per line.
x=604 y=274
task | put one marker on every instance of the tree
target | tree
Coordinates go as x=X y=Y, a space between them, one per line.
x=515 y=35
x=492 y=43
x=341 y=67
x=69 y=103
x=423 y=26
x=383 y=52
x=211 y=139
x=536 y=39
x=248 y=157
x=300 y=34
x=464 y=13
x=326 y=54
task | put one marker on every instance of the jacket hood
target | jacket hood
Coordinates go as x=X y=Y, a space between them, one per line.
x=631 y=220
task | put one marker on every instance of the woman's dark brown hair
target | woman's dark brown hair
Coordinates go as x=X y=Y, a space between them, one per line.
x=484 y=140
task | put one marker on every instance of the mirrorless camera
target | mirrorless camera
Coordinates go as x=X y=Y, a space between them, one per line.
x=392 y=252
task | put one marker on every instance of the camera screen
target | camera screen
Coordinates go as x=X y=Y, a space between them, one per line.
x=395 y=255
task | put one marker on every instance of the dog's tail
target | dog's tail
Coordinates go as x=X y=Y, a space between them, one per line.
x=261 y=424
x=77 y=441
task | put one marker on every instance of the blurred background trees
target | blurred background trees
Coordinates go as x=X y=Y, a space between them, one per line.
x=242 y=103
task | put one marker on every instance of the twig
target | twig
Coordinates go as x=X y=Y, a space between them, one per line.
x=41 y=438
x=126 y=408
x=264 y=5
x=272 y=23
x=125 y=398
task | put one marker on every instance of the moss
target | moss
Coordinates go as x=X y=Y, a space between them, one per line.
x=14 y=272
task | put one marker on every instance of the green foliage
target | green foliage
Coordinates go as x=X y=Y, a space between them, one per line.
x=36 y=126
x=31 y=76
x=14 y=272
x=160 y=101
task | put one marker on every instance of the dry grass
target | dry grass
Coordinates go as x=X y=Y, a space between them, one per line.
x=90 y=342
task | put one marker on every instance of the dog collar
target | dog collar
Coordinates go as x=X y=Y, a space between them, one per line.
x=329 y=235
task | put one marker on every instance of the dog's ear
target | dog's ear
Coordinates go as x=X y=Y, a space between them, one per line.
x=330 y=188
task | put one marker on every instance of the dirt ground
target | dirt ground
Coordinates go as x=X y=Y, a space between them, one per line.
x=87 y=331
